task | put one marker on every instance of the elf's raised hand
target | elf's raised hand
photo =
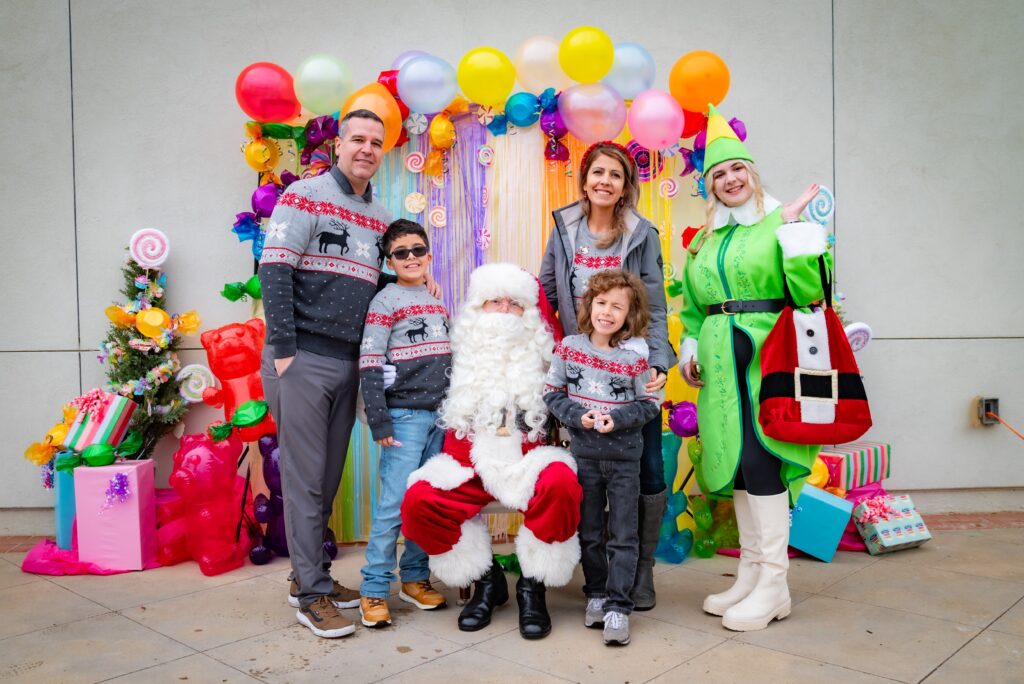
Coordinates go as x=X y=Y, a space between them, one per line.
x=792 y=211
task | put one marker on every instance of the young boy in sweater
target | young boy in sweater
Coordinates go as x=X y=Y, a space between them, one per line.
x=596 y=387
x=408 y=329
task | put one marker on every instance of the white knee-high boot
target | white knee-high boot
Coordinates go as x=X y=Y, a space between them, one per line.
x=769 y=599
x=750 y=557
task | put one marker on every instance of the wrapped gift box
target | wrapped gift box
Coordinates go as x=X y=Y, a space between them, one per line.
x=856 y=464
x=113 y=534
x=817 y=522
x=108 y=427
x=902 y=529
x=64 y=507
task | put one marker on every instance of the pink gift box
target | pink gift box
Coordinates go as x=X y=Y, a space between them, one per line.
x=113 y=534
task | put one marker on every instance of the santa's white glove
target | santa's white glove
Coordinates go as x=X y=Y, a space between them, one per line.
x=390 y=372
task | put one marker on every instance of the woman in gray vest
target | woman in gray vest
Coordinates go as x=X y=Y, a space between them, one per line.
x=603 y=230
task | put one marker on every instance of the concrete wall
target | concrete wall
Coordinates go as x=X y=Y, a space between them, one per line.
x=122 y=115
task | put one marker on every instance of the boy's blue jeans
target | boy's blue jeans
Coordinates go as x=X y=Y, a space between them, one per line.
x=420 y=438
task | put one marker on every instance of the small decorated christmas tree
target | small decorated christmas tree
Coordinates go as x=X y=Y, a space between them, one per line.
x=140 y=349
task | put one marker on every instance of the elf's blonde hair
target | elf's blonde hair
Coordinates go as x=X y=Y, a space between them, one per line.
x=753 y=177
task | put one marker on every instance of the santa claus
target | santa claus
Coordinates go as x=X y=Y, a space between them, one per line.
x=494 y=450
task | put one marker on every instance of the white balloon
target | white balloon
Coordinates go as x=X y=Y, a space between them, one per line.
x=537 y=67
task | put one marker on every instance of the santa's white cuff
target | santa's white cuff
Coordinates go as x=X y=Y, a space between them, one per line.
x=441 y=472
x=688 y=350
x=801 y=239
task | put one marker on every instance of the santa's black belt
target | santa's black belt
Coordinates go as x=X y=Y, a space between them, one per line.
x=848 y=386
x=735 y=306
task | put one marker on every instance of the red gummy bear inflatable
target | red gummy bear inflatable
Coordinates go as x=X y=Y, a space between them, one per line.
x=234 y=357
x=206 y=478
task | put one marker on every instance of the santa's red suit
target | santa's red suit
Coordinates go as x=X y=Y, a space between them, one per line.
x=497 y=385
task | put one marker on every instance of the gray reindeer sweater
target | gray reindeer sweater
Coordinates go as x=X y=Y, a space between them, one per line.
x=321 y=261
x=408 y=329
x=583 y=377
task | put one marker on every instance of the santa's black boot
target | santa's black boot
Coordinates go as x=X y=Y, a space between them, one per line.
x=534 y=621
x=489 y=592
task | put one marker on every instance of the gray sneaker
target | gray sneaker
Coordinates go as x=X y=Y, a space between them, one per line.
x=616 y=629
x=595 y=613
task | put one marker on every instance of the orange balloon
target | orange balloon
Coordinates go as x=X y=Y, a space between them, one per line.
x=698 y=78
x=376 y=98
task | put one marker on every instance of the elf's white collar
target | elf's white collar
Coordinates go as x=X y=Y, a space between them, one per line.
x=744 y=215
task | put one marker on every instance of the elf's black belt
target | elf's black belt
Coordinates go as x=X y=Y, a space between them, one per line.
x=735 y=306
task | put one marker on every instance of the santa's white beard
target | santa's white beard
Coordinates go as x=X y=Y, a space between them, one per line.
x=499 y=364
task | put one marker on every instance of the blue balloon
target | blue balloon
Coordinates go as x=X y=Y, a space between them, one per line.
x=632 y=71
x=522 y=109
x=427 y=84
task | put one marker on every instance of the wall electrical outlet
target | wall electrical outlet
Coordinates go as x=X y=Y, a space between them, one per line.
x=981 y=407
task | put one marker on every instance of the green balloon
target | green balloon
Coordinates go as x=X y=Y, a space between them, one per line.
x=701 y=512
x=705 y=546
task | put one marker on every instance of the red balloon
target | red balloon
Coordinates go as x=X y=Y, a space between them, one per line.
x=389 y=79
x=693 y=123
x=266 y=93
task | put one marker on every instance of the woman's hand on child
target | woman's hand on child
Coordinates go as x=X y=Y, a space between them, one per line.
x=433 y=288
x=690 y=375
x=388 y=442
x=658 y=380
x=604 y=423
x=791 y=212
x=588 y=419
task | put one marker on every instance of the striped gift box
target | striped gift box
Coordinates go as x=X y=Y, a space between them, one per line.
x=856 y=464
x=107 y=428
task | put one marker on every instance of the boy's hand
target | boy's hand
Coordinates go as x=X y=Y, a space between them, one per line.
x=604 y=423
x=588 y=419
x=388 y=442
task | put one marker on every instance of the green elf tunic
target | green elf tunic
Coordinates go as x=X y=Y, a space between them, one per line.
x=746 y=257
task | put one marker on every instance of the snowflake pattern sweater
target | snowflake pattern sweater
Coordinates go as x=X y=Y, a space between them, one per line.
x=408 y=329
x=583 y=377
x=321 y=263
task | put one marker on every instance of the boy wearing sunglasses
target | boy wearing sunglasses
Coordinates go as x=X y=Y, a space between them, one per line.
x=407 y=328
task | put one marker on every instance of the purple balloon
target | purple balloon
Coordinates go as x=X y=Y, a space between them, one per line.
x=406 y=56
x=682 y=418
x=700 y=140
x=263 y=200
x=552 y=124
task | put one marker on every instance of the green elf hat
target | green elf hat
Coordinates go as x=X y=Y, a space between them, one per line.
x=721 y=142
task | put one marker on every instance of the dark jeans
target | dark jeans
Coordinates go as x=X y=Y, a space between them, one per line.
x=609 y=568
x=652 y=462
x=760 y=472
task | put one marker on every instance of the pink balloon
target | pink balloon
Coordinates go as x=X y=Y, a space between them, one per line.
x=655 y=119
x=592 y=112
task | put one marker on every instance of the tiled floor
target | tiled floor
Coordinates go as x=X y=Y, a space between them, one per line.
x=950 y=611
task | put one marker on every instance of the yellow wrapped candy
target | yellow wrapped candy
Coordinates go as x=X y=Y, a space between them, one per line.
x=152 y=322
x=119 y=316
x=189 y=322
x=819 y=474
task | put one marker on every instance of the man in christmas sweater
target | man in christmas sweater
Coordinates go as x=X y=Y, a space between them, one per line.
x=496 y=420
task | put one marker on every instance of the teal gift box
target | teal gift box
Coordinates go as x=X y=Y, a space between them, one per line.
x=903 y=528
x=817 y=522
x=64 y=507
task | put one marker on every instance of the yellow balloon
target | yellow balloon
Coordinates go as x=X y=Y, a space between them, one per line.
x=486 y=76
x=152 y=322
x=586 y=54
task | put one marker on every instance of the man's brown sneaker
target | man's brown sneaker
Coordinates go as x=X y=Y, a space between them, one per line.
x=422 y=595
x=341 y=597
x=324 y=620
x=374 y=611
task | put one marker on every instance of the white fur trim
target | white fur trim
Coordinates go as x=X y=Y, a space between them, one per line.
x=688 y=350
x=492 y=281
x=812 y=409
x=552 y=564
x=801 y=239
x=442 y=472
x=744 y=215
x=508 y=475
x=637 y=345
x=469 y=559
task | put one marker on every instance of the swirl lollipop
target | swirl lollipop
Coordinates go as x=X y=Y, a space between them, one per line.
x=859 y=334
x=438 y=217
x=485 y=155
x=438 y=181
x=668 y=188
x=822 y=207
x=415 y=202
x=483 y=238
x=414 y=162
x=149 y=247
x=416 y=124
x=194 y=379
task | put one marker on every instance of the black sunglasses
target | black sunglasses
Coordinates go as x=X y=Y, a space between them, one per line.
x=402 y=253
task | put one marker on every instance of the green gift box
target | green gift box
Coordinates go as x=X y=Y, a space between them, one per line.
x=899 y=528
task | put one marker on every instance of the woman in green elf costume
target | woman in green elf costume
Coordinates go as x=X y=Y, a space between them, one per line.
x=735 y=270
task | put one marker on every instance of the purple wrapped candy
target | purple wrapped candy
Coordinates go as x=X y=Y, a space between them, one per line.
x=263 y=200
x=682 y=418
x=552 y=124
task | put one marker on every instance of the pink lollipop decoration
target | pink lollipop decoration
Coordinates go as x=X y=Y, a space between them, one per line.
x=414 y=162
x=483 y=238
x=682 y=418
x=149 y=247
x=438 y=217
x=668 y=188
